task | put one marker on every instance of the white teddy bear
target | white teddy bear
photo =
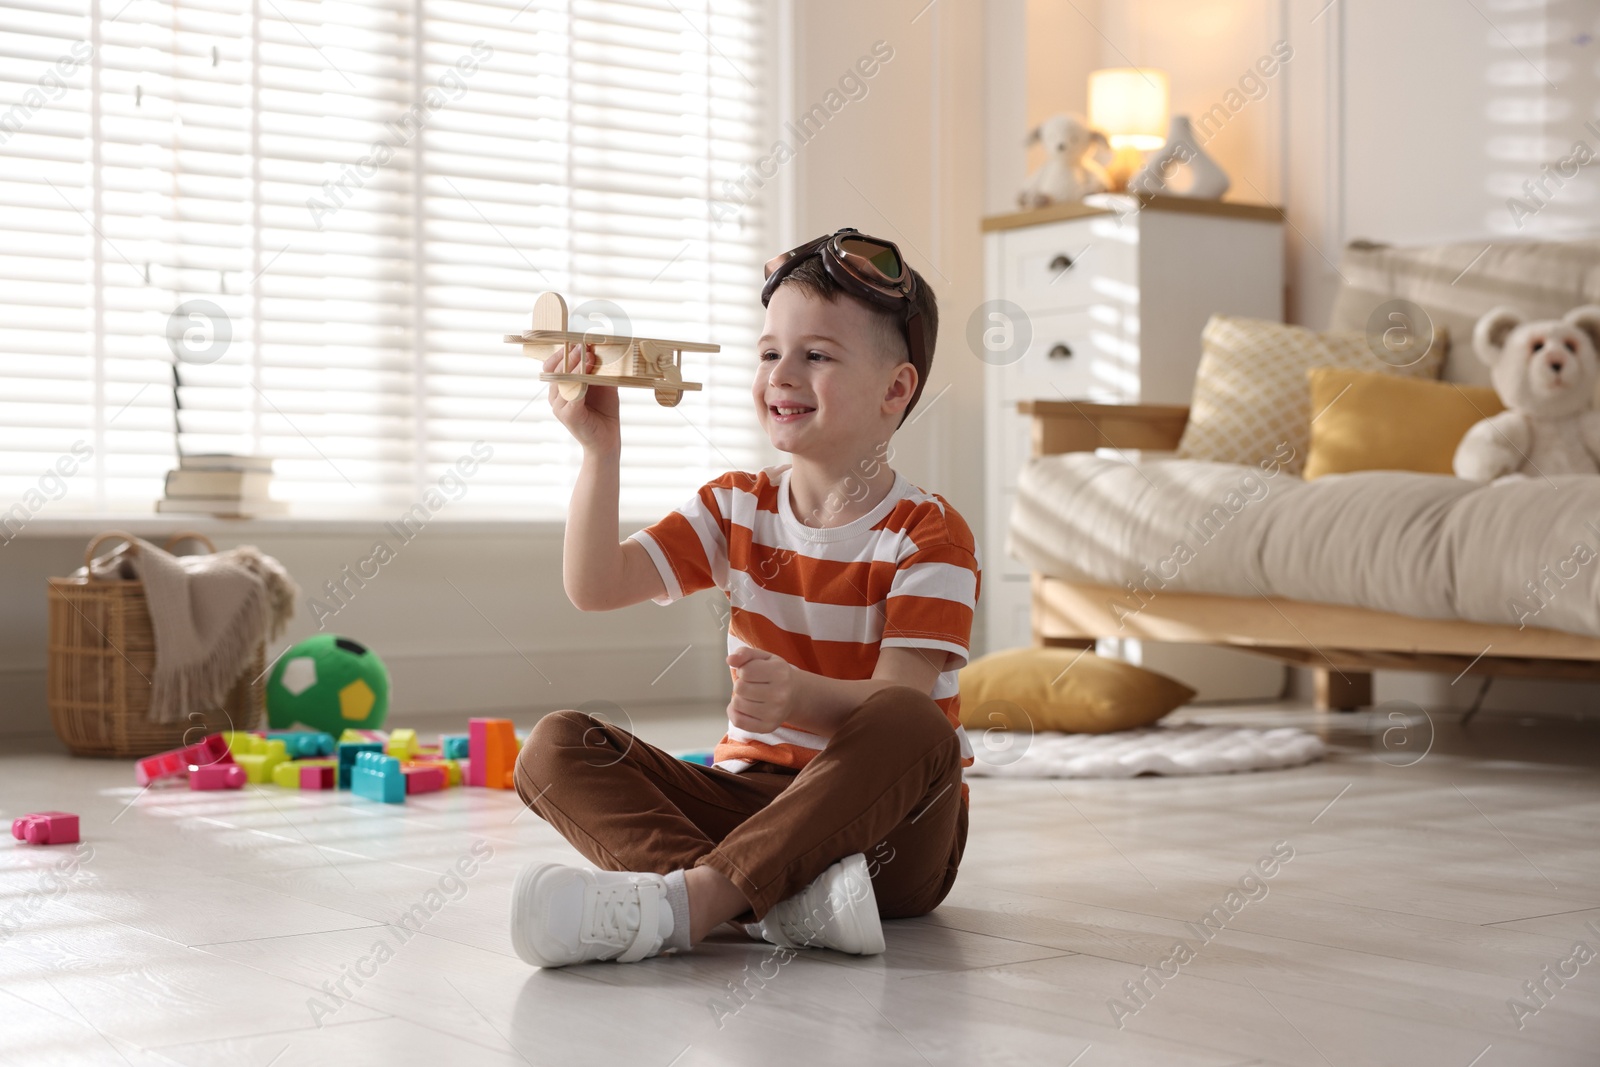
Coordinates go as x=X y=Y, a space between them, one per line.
x=1545 y=372
x=1071 y=170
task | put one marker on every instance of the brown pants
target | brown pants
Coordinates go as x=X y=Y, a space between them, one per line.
x=887 y=785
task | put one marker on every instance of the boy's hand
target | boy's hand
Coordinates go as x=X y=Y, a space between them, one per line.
x=592 y=420
x=764 y=690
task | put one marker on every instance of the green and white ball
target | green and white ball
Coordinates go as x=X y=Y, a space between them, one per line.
x=328 y=683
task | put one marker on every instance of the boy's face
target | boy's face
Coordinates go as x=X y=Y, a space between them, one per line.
x=826 y=360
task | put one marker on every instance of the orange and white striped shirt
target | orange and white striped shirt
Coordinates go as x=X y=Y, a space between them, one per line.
x=905 y=575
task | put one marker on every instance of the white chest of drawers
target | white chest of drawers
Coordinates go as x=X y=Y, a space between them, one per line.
x=1113 y=296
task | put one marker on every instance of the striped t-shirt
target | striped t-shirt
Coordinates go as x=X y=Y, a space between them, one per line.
x=905 y=575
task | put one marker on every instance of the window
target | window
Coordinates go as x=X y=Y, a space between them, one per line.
x=301 y=229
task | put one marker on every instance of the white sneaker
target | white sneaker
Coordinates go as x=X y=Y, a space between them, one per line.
x=562 y=915
x=836 y=911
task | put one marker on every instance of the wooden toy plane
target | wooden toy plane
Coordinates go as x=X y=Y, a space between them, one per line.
x=631 y=362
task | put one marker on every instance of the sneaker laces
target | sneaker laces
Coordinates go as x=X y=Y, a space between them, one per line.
x=619 y=915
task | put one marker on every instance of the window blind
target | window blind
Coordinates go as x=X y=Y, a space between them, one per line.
x=300 y=228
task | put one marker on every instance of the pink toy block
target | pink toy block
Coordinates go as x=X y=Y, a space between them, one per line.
x=217 y=776
x=319 y=777
x=212 y=749
x=421 y=778
x=46 y=828
x=477 y=746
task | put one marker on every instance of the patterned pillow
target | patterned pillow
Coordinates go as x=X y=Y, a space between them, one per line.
x=1252 y=397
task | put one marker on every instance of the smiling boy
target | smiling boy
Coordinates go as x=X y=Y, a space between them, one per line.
x=851 y=597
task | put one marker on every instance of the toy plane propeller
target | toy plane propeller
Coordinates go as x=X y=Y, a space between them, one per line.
x=630 y=362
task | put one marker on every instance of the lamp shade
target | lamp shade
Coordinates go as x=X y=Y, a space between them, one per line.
x=1129 y=104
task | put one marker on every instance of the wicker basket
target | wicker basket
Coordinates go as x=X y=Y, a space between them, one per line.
x=102 y=655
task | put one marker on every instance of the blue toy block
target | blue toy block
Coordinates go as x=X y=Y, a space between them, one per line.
x=455 y=746
x=304 y=744
x=378 y=777
x=348 y=751
x=704 y=757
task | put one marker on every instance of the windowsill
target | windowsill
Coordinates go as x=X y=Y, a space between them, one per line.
x=144 y=525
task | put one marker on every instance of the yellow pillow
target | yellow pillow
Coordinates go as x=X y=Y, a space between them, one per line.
x=1064 y=689
x=1366 y=422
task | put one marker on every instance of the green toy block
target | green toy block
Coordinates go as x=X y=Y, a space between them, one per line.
x=286 y=775
x=378 y=777
x=402 y=744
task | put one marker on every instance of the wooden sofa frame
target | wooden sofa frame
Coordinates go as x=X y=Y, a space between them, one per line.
x=1340 y=645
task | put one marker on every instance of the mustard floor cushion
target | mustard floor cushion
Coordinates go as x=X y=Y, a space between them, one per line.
x=1063 y=689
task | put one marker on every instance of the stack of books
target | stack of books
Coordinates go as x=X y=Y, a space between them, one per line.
x=233 y=487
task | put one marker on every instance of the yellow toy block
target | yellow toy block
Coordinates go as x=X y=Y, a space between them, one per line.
x=402 y=745
x=259 y=764
x=241 y=743
x=290 y=774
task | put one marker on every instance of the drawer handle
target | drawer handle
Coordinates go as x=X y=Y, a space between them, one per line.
x=1061 y=350
x=1060 y=265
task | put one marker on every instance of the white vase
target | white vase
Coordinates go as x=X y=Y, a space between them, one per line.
x=1182 y=152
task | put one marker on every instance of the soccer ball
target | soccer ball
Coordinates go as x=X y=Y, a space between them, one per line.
x=328 y=683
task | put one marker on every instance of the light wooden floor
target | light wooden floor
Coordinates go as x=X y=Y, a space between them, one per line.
x=200 y=928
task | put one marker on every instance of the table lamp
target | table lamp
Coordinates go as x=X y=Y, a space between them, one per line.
x=1129 y=105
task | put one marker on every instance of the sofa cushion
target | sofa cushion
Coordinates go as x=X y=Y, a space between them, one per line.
x=1252 y=400
x=1454 y=284
x=1063 y=689
x=1372 y=422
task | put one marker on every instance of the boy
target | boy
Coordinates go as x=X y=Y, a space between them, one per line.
x=851 y=595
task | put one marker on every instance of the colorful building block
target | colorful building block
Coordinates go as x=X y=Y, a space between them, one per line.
x=213 y=749
x=455 y=746
x=258 y=765
x=241 y=741
x=319 y=775
x=424 y=777
x=46 y=828
x=348 y=751
x=363 y=737
x=452 y=768
x=703 y=756
x=494 y=750
x=378 y=777
x=304 y=744
x=402 y=744
x=217 y=776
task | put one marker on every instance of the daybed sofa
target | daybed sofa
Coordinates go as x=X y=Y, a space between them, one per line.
x=1345 y=574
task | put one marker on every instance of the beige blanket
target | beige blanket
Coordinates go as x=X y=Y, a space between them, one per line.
x=209 y=614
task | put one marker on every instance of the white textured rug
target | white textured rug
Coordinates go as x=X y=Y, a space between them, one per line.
x=1168 y=750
